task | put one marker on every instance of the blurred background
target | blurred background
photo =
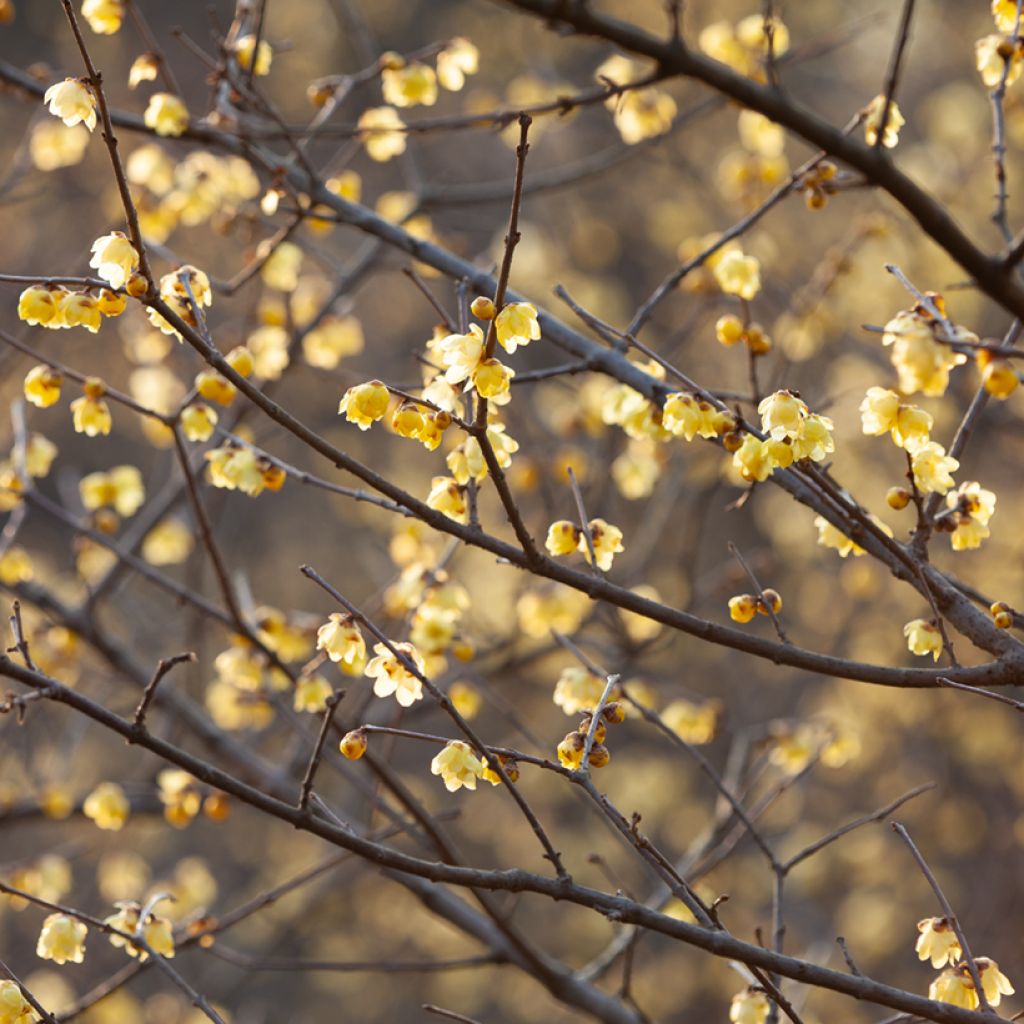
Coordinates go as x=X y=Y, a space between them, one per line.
x=607 y=221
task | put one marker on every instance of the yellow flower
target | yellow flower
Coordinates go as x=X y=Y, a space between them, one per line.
x=831 y=537
x=447 y=496
x=214 y=388
x=937 y=941
x=409 y=86
x=921 y=362
x=244 y=48
x=114 y=258
x=281 y=270
x=815 y=440
x=311 y=694
x=873 y=121
x=38 y=305
x=343 y=642
x=562 y=608
x=752 y=459
x=333 y=339
x=79 y=309
x=578 y=689
x=145 y=68
x=991 y=56
x=383 y=133
x=52 y=146
x=112 y=303
x=737 y=274
x=742 y=608
x=457 y=765
x=392 y=677
x=39 y=455
x=954 y=986
x=492 y=378
x=923 y=637
x=994 y=983
x=15 y=566
x=1005 y=13
x=466 y=699
x=179 y=795
x=42 y=386
x=912 y=428
x=91 y=416
x=107 y=806
x=782 y=415
x=643 y=114
x=749 y=1007
x=607 y=541
x=104 y=16
x=517 y=325
x=933 y=468
x=62 y=940
x=999 y=377
x=364 y=404
x=760 y=134
x=156 y=932
x=682 y=415
x=198 y=421
x=72 y=102
x=878 y=411
x=121 y=487
x=14 y=1008
x=461 y=354
x=237 y=469
x=695 y=723
x=750 y=31
x=169 y=543
x=570 y=751
x=458 y=59
x=166 y=114
x=563 y=538
x=173 y=287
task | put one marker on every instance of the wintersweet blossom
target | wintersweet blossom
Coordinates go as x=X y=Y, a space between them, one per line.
x=457 y=765
x=121 y=487
x=410 y=85
x=382 y=132
x=694 y=723
x=607 y=541
x=873 y=121
x=458 y=59
x=972 y=507
x=62 y=940
x=73 y=102
x=752 y=460
x=114 y=258
x=994 y=983
x=448 y=497
x=343 y=643
x=40 y=306
x=42 y=386
x=517 y=325
x=937 y=941
x=954 y=986
x=878 y=411
x=933 y=468
x=156 y=932
x=923 y=637
x=738 y=274
x=311 y=694
x=781 y=414
x=392 y=677
x=461 y=354
x=364 y=404
x=749 y=1007
x=641 y=114
x=90 y=412
x=992 y=53
x=198 y=421
x=14 y=1007
x=563 y=538
x=166 y=114
x=922 y=363
x=578 y=688
x=246 y=46
x=80 y=309
x=107 y=806
x=104 y=16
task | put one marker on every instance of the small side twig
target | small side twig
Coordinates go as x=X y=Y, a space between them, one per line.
x=163 y=667
x=318 y=751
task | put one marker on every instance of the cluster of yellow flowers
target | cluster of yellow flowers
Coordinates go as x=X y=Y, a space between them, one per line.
x=57 y=308
x=406 y=84
x=744 y=607
x=749 y=1006
x=921 y=361
x=744 y=46
x=793 y=433
x=746 y=175
x=107 y=807
x=565 y=537
x=238 y=467
x=639 y=113
x=14 y=1007
x=872 y=115
x=572 y=748
x=999 y=54
x=937 y=941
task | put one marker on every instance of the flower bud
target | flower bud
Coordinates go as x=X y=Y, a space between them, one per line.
x=483 y=308
x=897 y=497
x=353 y=744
